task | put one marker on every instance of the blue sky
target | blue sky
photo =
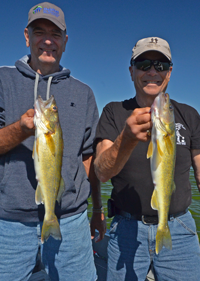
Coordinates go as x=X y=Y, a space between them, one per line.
x=102 y=35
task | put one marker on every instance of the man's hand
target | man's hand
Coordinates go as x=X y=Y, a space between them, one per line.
x=98 y=221
x=138 y=125
x=26 y=122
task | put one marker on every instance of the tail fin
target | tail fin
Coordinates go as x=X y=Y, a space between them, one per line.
x=50 y=228
x=163 y=238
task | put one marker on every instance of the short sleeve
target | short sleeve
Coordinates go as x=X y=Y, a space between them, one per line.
x=195 y=136
x=106 y=128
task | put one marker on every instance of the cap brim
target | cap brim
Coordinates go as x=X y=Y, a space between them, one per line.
x=153 y=49
x=47 y=18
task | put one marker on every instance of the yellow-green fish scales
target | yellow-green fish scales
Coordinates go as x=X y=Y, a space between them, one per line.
x=162 y=153
x=47 y=154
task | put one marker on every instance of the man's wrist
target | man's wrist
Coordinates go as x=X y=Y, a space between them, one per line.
x=98 y=210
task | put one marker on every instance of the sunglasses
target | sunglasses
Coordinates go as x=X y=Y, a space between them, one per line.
x=145 y=65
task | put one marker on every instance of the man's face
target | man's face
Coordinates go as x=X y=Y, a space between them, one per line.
x=47 y=43
x=150 y=82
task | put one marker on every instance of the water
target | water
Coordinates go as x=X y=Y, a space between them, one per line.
x=194 y=207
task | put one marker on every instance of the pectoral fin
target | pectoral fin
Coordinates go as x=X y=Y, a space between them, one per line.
x=50 y=143
x=159 y=149
x=173 y=186
x=61 y=190
x=150 y=150
x=154 y=200
x=39 y=198
x=36 y=147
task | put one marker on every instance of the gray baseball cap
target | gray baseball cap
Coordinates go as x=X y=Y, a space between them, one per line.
x=151 y=44
x=47 y=11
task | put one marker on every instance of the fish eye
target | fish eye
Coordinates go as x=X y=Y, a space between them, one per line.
x=55 y=108
x=170 y=107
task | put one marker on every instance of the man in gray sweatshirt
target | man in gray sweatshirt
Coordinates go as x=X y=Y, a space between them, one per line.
x=40 y=74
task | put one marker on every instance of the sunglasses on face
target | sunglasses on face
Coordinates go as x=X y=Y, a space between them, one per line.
x=145 y=65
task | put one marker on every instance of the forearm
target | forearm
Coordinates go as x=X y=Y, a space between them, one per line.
x=96 y=194
x=111 y=161
x=88 y=161
x=11 y=136
x=197 y=177
x=198 y=182
x=196 y=165
x=98 y=219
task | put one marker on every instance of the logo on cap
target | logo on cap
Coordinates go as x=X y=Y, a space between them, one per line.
x=51 y=11
x=154 y=40
x=46 y=11
x=37 y=9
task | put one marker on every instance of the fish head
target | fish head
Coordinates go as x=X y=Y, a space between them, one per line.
x=46 y=114
x=163 y=109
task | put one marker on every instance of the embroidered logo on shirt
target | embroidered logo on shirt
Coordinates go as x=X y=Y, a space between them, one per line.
x=179 y=138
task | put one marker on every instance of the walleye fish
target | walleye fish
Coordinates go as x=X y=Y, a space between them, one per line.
x=47 y=155
x=162 y=154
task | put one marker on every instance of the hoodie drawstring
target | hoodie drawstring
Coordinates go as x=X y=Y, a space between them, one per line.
x=36 y=86
x=48 y=87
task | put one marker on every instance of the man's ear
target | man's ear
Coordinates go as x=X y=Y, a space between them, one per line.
x=65 y=42
x=26 y=35
x=131 y=70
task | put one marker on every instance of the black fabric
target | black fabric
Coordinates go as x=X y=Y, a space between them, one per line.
x=133 y=186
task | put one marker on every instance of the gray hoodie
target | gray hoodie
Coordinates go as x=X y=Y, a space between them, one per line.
x=78 y=114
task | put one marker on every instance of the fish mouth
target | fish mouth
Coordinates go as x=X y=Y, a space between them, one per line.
x=162 y=107
x=41 y=105
x=161 y=99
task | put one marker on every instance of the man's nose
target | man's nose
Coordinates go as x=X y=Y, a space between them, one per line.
x=48 y=40
x=152 y=71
